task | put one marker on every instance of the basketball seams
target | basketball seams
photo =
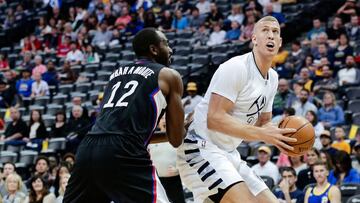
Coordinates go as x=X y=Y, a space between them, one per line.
x=297 y=130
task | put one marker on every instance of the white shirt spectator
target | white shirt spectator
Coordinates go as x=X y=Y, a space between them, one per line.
x=204 y=7
x=193 y=102
x=268 y=169
x=300 y=110
x=238 y=18
x=348 y=75
x=216 y=38
x=75 y=56
x=37 y=88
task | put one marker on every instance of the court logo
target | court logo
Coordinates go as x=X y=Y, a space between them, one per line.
x=256 y=108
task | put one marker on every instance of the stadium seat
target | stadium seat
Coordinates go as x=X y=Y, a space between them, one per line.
x=49 y=120
x=99 y=85
x=128 y=55
x=89 y=76
x=91 y=68
x=221 y=48
x=354 y=199
x=201 y=59
x=83 y=87
x=184 y=35
x=170 y=35
x=66 y=89
x=39 y=108
x=201 y=50
x=182 y=69
x=57 y=144
x=8 y=156
x=354 y=106
x=115 y=48
x=2 y=146
x=42 y=101
x=53 y=108
x=59 y=99
x=243 y=149
x=218 y=58
x=353 y=93
x=83 y=96
x=93 y=95
x=356 y=118
x=103 y=75
x=268 y=181
x=112 y=57
x=349 y=189
x=180 y=60
x=76 y=68
x=182 y=51
x=28 y=157
x=108 y=66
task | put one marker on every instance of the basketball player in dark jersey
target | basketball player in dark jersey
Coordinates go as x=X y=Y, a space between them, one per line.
x=112 y=162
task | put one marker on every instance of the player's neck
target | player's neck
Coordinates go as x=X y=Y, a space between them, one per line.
x=263 y=63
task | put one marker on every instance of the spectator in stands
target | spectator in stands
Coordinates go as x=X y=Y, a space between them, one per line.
x=37 y=130
x=16 y=130
x=39 y=191
x=217 y=36
x=296 y=57
x=166 y=21
x=318 y=127
x=247 y=29
x=325 y=157
x=253 y=7
x=69 y=157
x=330 y=114
x=39 y=87
x=347 y=9
x=122 y=21
x=59 y=127
x=78 y=126
x=109 y=17
x=265 y=167
x=356 y=162
x=288 y=191
x=8 y=95
x=297 y=163
x=203 y=6
x=9 y=168
x=343 y=172
x=234 y=33
x=51 y=76
x=39 y=66
x=269 y=10
x=280 y=58
x=304 y=77
x=77 y=101
x=353 y=30
x=26 y=61
x=305 y=176
x=190 y=101
x=74 y=56
x=91 y=56
x=236 y=14
x=9 y=19
x=31 y=44
x=67 y=75
x=14 y=192
x=91 y=23
x=326 y=142
x=303 y=105
x=342 y=50
x=200 y=37
x=63 y=183
x=196 y=20
x=135 y=25
x=150 y=19
x=102 y=36
x=63 y=170
x=327 y=83
x=64 y=48
x=336 y=29
x=315 y=31
x=215 y=16
x=180 y=22
x=350 y=75
x=284 y=97
x=323 y=190
x=4 y=64
x=163 y=155
x=340 y=143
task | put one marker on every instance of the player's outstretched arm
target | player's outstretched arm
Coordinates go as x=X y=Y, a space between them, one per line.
x=220 y=120
x=172 y=87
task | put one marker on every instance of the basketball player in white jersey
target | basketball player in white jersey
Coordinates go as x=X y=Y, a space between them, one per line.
x=237 y=106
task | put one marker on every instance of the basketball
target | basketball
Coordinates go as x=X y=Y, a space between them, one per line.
x=305 y=134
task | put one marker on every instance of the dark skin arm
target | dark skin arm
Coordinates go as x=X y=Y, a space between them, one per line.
x=171 y=86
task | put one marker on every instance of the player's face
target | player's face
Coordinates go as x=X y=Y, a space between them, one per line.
x=164 y=52
x=267 y=38
x=320 y=173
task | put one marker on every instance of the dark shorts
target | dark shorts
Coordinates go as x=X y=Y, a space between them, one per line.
x=106 y=170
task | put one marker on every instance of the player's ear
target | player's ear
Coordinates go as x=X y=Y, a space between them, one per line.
x=153 y=50
x=253 y=39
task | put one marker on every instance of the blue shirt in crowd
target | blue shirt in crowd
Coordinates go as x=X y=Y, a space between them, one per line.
x=334 y=115
x=24 y=87
x=297 y=196
x=233 y=34
x=180 y=24
x=352 y=177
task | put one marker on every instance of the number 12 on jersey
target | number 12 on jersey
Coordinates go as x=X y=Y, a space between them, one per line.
x=130 y=85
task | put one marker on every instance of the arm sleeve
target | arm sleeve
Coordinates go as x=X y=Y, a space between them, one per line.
x=228 y=81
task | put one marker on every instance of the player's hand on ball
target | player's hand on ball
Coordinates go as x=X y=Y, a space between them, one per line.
x=275 y=136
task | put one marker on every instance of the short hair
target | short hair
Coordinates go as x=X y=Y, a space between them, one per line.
x=41 y=157
x=11 y=163
x=306 y=90
x=290 y=111
x=320 y=163
x=143 y=40
x=266 y=19
x=296 y=42
x=289 y=169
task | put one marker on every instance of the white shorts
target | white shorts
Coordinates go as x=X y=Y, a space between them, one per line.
x=204 y=168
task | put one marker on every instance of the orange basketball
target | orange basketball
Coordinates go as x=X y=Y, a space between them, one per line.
x=305 y=134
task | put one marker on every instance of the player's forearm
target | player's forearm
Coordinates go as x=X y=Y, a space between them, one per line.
x=226 y=124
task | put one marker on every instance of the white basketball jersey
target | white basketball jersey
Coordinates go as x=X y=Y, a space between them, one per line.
x=240 y=81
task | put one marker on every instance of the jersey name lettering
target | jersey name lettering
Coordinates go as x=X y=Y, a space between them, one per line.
x=141 y=70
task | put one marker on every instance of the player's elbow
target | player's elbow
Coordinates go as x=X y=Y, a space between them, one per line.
x=175 y=142
x=176 y=138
